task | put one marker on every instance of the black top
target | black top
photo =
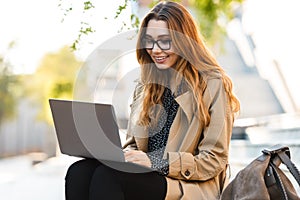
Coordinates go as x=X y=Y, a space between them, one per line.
x=159 y=134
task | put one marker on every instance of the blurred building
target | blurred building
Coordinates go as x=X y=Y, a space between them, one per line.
x=26 y=134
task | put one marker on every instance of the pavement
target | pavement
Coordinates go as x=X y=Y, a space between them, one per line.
x=20 y=179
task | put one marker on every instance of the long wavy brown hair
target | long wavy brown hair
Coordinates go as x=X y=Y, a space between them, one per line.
x=195 y=63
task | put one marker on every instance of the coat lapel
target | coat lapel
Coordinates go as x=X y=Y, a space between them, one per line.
x=181 y=122
x=187 y=104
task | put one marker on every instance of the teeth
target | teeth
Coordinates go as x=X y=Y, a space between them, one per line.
x=160 y=58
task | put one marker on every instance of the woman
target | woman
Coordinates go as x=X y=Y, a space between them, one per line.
x=180 y=124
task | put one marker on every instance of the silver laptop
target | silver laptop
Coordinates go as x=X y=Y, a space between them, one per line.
x=90 y=130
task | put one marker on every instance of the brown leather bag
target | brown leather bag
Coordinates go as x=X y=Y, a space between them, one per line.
x=262 y=179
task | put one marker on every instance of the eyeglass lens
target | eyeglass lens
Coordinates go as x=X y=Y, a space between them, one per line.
x=162 y=44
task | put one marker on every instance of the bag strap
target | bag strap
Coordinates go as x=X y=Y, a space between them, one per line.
x=283 y=152
x=290 y=165
x=279 y=182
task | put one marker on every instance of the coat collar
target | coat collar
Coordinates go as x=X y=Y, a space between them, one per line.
x=187 y=103
x=185 y=97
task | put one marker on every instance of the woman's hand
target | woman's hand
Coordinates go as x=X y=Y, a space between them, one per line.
x=138 y=157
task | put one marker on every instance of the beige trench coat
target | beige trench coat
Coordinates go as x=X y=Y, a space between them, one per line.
x=198 y=156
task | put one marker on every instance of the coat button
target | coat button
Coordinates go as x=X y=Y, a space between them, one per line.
x=187 y=173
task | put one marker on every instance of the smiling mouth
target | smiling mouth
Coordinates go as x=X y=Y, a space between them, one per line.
x=160 y=59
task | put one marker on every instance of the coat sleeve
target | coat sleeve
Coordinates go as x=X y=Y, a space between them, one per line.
x=210 y=156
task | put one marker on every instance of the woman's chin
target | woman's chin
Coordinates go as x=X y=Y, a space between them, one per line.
x=162 y=66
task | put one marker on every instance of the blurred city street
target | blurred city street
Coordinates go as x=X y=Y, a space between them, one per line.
x=22 y=178
x=269 y=109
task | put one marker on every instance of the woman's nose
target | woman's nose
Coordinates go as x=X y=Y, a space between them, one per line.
x=156 y=48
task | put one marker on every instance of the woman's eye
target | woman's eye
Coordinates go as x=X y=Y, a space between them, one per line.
x=149 y=41
x=165 y=41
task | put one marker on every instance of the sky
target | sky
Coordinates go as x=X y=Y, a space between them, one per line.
x=36 y=27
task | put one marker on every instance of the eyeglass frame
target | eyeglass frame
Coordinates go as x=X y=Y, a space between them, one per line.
x=156 y=42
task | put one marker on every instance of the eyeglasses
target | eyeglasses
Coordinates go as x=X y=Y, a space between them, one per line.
x=164 y=44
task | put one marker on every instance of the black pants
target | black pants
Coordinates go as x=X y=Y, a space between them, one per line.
x=90 y=179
